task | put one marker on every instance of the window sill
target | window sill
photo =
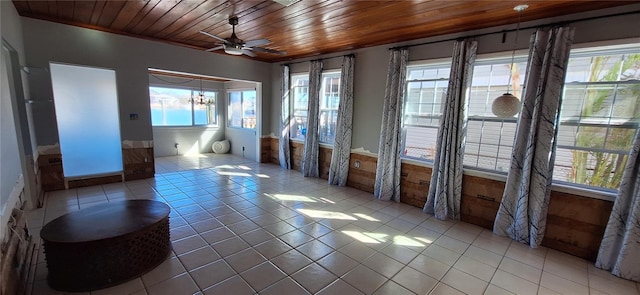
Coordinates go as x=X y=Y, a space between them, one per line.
x=186 y=127
x=558 y=187
x=301 y=141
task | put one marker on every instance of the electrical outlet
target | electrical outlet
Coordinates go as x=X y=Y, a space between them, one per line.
x=357 y=164
x=243 y=148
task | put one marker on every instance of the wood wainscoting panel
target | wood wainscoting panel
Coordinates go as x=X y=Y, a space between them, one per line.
x=274 y=155
x=480 y=201
x=414 y=184
x=576 y=224
x=362 y=177
x=139 y=163
x=265 y=149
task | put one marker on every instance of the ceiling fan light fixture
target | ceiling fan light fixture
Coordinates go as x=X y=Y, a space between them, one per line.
x=233 y=49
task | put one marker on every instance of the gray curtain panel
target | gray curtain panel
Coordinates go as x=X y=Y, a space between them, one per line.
x=311 y=140
x=620 y=248
x=523 y=211
x=339 y=168
x=445 y=190
x=285 y=120
x=387 y=185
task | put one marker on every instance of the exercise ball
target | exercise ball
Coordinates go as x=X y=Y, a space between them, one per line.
x=221 y=147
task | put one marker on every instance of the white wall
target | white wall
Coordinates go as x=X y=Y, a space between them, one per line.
x=371 y=63
x=11 y=157
x=130 y=57
x=245 y=142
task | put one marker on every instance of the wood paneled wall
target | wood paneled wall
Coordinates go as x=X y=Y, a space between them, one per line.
x=575 y=224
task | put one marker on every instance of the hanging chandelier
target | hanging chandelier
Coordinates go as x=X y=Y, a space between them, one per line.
x=507 y=105
x=200 y=98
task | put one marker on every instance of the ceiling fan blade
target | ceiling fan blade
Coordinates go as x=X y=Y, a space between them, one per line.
x=215 y=48
x=267 y=50
x=257 y=42
x=248 y=52
x=213 y=36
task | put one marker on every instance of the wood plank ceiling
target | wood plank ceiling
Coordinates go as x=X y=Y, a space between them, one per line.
x=303 y=29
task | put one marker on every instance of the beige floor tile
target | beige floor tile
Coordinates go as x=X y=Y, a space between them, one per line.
x=512 y=283
x=484 y=256
x=495 y=290
x=464 y=282
x=562 y=285
x=392 y=288
x=475 y=268
x=180 y=285
x=364 y=279
x=429 y=266
x=199 y=257
x=339 y=287
x=444 y=289
x=314 y=277
x=212 y=273
x=383 y=265
x=452 y=244
x=262 y=276
x=414 y=280
x=357 y=251
x=234 y=285
x=315 y=249
x=244 y=260
x=442 y=254
x=167 y=269
x=521 y=270
x=337 y=263
x=286 y=286
x=272 y=248
x=291 y=261
x=188 y=244
x=230 y=246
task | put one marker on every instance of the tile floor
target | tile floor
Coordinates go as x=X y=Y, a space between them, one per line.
x=239 y=227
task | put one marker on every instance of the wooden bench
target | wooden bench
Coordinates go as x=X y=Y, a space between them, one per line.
x=106 y=244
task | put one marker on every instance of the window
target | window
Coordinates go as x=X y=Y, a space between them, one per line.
x=329 y=102
x=300 y=90
x=490 y=139
x=182 y=107
x=242 y=109
x=599 y=117
x=426 y=87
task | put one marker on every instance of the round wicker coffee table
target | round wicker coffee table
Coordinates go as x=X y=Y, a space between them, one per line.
x=106 y=244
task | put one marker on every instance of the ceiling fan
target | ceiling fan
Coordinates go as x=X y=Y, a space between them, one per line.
x=236 y=46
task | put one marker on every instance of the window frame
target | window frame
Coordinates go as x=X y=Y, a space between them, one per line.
x=194 y=92
x=293 y=108
x=241 y=91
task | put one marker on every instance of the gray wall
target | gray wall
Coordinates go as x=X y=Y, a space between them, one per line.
x=130 y=57
x=371 y=63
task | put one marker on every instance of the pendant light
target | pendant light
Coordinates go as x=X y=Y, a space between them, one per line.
x=508 y=105
x=200 y=99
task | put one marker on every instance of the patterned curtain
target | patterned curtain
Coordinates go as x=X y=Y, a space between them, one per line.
x=523 y=211
x=620 y=247
x=339 y=168
x=445 y=189
x=311 y=140
x=387 y=185
x=285 y=120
